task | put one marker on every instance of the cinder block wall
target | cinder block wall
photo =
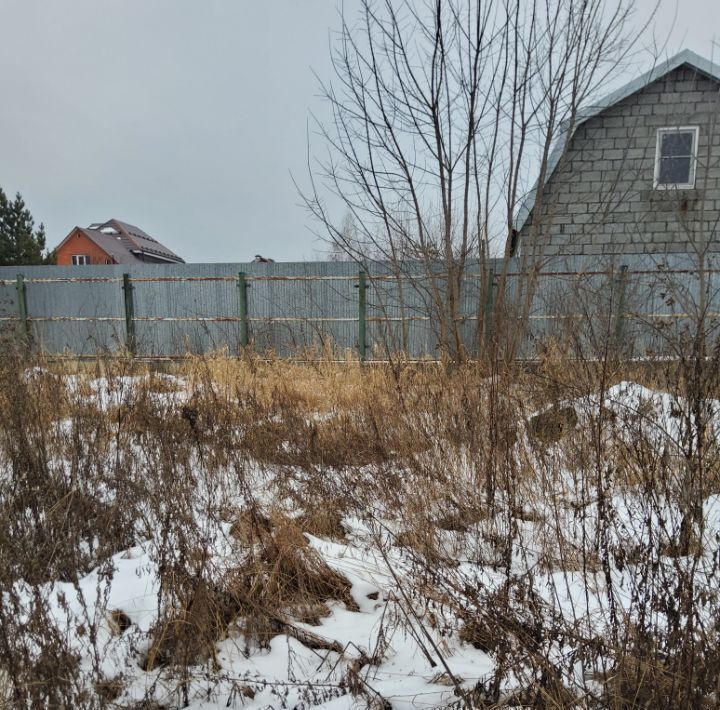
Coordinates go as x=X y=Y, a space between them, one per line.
x=601 y=200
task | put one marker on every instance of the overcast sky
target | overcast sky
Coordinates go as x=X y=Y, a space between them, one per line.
x=185 y=117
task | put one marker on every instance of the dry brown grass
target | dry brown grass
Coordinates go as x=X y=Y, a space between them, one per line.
x=279 y=580
x=431 y=450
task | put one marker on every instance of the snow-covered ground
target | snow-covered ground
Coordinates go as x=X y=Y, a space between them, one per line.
x=402 y=644
x=287 y=674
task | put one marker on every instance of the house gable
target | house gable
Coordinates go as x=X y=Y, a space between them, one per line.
x=79 y=244
x=601 y=196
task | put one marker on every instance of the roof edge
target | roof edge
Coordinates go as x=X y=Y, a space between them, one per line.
x=76 y=228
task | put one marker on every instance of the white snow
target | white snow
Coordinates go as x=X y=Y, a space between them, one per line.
x=415 y=646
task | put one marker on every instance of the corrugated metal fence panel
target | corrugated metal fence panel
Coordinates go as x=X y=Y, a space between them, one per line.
x=8 y=308
x=401 y=314
x=185 y=313
x=579 y=298
x=50 y=299
x=664 y=303
x=196 y=307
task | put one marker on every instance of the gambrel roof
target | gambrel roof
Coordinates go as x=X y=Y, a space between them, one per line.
x=685 y=58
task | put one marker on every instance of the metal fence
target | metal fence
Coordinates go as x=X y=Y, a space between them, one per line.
x=643 y=303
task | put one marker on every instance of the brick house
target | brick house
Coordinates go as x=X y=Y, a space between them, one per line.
x=639 y=173
x=112 y=242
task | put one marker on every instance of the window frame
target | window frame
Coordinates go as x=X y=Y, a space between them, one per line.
x=690 y=185
x=75 y=258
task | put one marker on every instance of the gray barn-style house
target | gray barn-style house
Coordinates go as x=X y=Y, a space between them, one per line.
x=639 y=173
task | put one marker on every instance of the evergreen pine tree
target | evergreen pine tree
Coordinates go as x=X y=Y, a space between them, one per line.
x=20 y=242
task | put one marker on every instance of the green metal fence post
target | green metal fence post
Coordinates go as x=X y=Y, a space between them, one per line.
x=620 y=288
x=242 y=289
x=488 y=312
x=129 y=314
x=362 y=315
x=24 y=333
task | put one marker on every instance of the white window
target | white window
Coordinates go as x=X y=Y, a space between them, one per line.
x=80 y=259
x=676 y=158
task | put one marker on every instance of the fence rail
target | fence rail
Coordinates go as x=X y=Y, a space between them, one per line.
x=170 y=310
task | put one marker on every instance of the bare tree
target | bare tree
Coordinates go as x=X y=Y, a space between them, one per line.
x=336 y=248
x=442 y=110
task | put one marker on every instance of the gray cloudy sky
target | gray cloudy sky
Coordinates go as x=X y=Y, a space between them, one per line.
x=185 y=117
